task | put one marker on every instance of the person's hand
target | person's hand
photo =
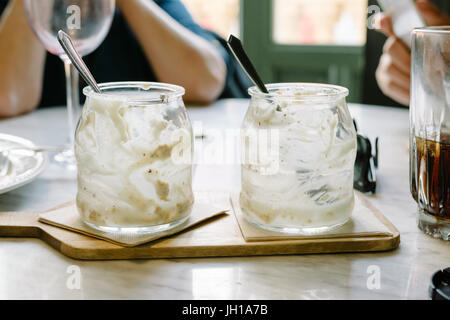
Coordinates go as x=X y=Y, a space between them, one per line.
x=394 y=69
x=431 y=14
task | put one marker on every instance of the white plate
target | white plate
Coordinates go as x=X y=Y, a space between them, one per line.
x=25 y=165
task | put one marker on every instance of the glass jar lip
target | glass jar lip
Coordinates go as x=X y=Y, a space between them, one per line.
x=335 y=92
x=168 y=91
x=435 y=29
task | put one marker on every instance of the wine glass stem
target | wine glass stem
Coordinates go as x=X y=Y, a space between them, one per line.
x=73 y=103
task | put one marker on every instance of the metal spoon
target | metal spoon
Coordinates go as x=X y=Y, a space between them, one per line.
x=67 y=44
x=35 y=148
x=238 y=51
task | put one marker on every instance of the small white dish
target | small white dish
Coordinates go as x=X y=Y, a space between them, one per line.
x=24 y=165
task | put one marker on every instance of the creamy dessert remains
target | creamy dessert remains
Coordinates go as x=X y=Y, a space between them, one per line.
x=127 y=176
x=309 y=183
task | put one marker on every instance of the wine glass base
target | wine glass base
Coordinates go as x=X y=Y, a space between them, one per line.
x=66 y=159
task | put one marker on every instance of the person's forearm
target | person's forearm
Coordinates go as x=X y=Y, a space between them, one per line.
x=176 y=54
x=22 y=60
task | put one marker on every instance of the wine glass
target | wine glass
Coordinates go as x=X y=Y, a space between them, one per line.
x=87 y=22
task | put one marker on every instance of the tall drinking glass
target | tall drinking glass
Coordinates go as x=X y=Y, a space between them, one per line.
x=88 y=23
x=430 y=129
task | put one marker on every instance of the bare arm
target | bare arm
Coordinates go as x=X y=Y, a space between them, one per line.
x=176 y=54
x=22 y=59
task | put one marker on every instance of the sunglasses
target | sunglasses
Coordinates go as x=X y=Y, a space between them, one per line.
x=365 y=179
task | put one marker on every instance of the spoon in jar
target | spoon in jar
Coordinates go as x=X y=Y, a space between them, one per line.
x=67 y=44
x=241 y=56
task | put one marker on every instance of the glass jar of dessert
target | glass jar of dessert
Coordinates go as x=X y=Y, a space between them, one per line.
x=298 y=154
x=134 y=149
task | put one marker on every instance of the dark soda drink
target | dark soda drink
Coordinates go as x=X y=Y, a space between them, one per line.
x=432 y=176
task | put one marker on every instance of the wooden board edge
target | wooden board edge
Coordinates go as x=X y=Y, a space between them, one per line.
x=381 y=217
x=19 y=225
x=299 y=247
x=23 y=224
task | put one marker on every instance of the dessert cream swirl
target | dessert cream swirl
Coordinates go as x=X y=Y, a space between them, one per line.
x=312 y=185
x=127 y=175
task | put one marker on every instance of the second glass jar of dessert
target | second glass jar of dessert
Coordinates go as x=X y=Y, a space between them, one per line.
x=299 y=149
x=134 y=148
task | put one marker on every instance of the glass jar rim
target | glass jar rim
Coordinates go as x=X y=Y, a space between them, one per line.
x=168 y=91
x=435 y=29
x=334 y=92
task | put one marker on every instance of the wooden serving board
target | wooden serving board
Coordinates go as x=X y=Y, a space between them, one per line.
x=219 y=238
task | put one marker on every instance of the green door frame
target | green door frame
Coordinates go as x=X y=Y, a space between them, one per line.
x=342 y=65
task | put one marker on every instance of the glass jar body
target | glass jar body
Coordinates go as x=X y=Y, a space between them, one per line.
x=299 y=150
x=134 y=147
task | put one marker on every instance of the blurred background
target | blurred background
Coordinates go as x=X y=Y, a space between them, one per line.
x=305 y=40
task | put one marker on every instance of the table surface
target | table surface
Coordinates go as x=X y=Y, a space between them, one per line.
x=31 y=269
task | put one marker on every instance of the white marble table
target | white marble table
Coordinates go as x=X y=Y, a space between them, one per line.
x=30 y=269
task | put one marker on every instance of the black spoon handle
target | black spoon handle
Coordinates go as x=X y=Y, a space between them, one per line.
x=236 y=47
